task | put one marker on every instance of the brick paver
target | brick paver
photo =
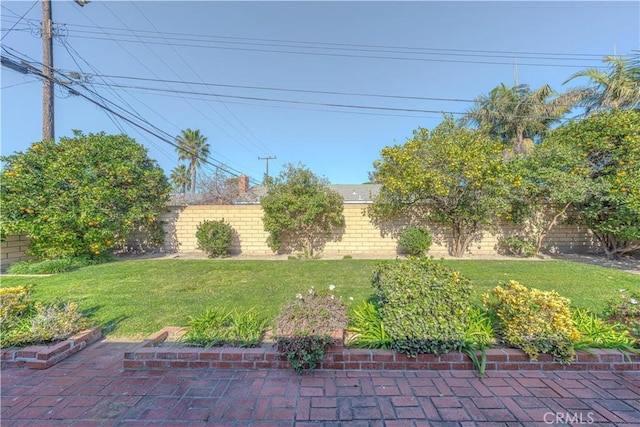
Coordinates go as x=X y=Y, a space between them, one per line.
x=91 y=389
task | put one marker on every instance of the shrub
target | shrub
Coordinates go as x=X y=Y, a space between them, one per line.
x=415 y=241
x=304 y=327
x=56 y=322
x=519 y=246
x=218 y=327
x=215 y=238
x=366 y=328
x=423 y=304
x=596 y=333
x=479 y=332
x=15 y=302
x=534 y=321
x=60 y=265
x=625 y=310
x=43 y=323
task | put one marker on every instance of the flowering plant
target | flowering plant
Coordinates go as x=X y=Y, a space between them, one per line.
x=624 y=309
x=304 y=326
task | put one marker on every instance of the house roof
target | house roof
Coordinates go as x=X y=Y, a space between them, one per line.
x=351 y=193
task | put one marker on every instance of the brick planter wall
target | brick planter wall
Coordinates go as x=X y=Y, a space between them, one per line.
x=45 y=356
x=151 y=356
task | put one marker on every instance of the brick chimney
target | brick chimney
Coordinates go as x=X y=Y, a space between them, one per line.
x=243 y=184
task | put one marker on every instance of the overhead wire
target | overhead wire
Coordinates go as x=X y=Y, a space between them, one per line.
x=188 y=64
x=19 y=19
x=175 y=39
x=157 y=132
x=71 y=51
x=198 y=110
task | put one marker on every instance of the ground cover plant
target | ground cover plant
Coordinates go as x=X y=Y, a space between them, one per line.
x=135 y=298
x=25 y=321
x=222 y=327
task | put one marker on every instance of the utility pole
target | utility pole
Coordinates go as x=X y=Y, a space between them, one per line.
x=48 y=132
x=266 y=175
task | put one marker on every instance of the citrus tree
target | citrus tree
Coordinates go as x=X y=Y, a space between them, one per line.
x=82 y=195
x=452 y=176
x=608 y=144
x=546 y=184
x=301 y=211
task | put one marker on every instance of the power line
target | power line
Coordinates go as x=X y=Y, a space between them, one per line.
x=158 y=133
x=19 y=19
x=280 y=89
x=188 y=64
x=208 y=37
x=254 y=98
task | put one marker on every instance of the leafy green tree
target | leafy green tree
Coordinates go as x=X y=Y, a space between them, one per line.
x=301 y=211
x=545 y=185
x=451 y=176
x=609 y=155
x=618 y=87
x=180 y=178
x=193 y=147
x=517 y=115
x=83 y=195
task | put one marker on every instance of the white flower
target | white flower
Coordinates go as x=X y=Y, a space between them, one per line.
x=633 y=300
x=331 y=287
x=350 y=298
x=299 y=296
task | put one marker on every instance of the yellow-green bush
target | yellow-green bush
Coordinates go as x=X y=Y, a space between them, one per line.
x=533 y=320
x=14 y=301
x=24 y=321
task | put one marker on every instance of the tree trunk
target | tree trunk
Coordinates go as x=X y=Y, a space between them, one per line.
x=309 y=246
x=613 y=247
x=545 y=230
x=460 y=240
x=193 y=179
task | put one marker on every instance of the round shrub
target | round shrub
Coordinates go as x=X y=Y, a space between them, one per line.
x=415 y=241
x=534 y=321
x=215 y=238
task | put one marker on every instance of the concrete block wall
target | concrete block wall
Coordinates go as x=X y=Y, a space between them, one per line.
x=12 y=250
x=359 y=236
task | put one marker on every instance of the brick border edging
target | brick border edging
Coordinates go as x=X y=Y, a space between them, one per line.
x=149 y=356
x=45 y=356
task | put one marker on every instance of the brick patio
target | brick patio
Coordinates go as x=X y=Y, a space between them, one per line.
x=91 y=388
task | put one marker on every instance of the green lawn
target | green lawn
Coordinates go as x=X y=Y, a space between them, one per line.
x=137 y=297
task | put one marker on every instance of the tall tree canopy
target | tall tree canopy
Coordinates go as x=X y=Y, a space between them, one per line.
x=451 y=176
x=83 y=195
x=193 y=147
x=608 y=144
x=517 y=115
x=617 y=87
x=180 y=178
x=301 y=211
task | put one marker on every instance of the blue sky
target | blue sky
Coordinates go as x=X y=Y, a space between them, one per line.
x=215 y=66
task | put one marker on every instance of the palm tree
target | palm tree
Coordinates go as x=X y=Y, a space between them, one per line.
x=517 y=115
x=618 y=87
x=193 y=147
x=180 y=178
